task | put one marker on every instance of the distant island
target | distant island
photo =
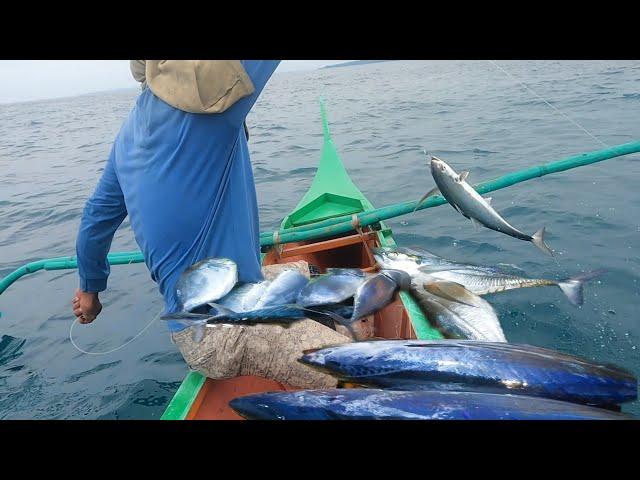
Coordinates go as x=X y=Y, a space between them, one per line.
x=355 y=62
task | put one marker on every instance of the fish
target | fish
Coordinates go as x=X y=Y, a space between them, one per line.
x=376 y=292
x=283 y=315
x=401 y=278
x=468 y=365
x=458 y=313
x=424 y=266
x=206 y=281
x=244 y=296
x=284 y=289
x=335 y=286
x=377 y=404
x=373 y=294
x=275 y=305
x=464 y=198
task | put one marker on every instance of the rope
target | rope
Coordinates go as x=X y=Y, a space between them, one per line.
x=114 y=349
x=548 y=104
x=355 y=223
x=276 y=243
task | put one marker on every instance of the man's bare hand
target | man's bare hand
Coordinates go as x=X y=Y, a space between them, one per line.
x=86 y=306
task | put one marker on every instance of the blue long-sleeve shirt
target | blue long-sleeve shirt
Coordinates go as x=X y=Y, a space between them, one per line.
x=186 y=182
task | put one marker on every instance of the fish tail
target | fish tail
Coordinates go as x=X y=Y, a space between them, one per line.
x=196 y=321
x=538 y=240
x=431 y=192
x=345 y=322
x=218 y=312
x=573 y=287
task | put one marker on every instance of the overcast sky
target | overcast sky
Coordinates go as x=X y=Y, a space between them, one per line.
x=24 y=80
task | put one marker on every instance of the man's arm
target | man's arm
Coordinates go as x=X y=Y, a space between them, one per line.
x=103 y=213
x=259 y=72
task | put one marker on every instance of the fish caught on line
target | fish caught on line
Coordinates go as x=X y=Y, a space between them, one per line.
x=468 y=202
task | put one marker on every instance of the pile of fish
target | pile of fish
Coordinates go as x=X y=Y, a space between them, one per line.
x=209 y=293
x=448 y=379
x=448 y=293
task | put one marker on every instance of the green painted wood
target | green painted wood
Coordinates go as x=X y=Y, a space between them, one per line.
x=181 y=403
x=332 y=192
x=420 y=323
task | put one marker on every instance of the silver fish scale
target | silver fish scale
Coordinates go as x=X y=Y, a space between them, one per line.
x=458 y=319
x=243 y=297
x=283 y=289
x=482 y=284
x=206 y=281
x=480 y=280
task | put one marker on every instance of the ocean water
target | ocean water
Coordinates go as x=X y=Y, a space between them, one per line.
x=381 y=116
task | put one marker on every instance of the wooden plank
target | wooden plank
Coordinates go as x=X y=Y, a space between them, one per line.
x=327 y=245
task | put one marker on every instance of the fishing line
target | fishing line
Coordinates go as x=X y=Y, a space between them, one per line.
x=114 y=349
x=556 y=109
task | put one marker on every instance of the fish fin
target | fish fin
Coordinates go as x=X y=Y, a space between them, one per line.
x=476 y=224
x=454 y=292
x=433 y=191
x=218 y=312
x=185 y=317
x=345 y=322
x=197 y=332
x=573 y=287
x=488 y=200
x=463 y=176
x=538 y=240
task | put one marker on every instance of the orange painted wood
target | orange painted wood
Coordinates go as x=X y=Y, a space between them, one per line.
x=326 y=245
x=218 y=393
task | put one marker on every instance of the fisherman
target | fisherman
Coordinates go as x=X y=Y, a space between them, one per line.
x=180 y=168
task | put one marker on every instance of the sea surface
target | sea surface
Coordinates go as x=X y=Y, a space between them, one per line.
x=382 y=116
